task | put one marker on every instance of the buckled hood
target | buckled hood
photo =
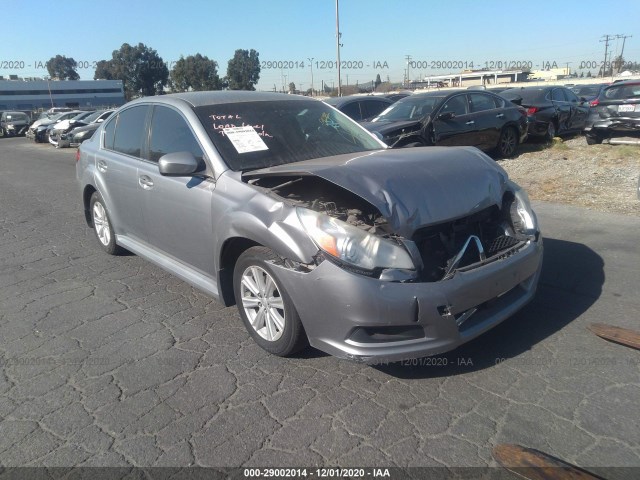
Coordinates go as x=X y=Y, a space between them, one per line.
x=412 y=187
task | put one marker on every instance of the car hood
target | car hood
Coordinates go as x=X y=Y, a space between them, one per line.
x=386 y=127
x=413 y=187
x=86 y=128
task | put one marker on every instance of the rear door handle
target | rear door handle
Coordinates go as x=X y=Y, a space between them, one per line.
x=500 y=115
x=470 y=122
x=145 y=182
x=102 y=166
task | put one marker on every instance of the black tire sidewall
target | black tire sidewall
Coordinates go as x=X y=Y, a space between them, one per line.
x=293 y=337
x=505 y=131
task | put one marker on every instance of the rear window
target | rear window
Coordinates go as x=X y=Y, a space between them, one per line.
x=528 y=95
x=620 y=92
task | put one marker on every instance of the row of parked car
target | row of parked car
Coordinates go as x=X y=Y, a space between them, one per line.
x=62 y=127
x=500 y=119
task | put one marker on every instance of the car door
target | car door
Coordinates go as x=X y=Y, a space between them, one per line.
x=176 y=210
x=117 y=170
x=562 y=108
x=459 y=129
x=489 y=116
x=579 y=111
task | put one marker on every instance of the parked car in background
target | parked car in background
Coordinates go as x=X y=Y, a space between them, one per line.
x=463 y=117
x=54 y=130
x=60 y=135
x=79 y=134
x=319 y=233
x=552 y=110
x=38 y=129
x=589 y=92
x=394 y=97
x=360 y=107
x=616 y=112
x=13 y=124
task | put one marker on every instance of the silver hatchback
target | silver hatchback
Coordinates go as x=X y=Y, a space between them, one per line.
x=318 y=232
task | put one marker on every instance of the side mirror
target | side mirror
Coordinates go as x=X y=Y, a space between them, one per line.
x=446 y=116
x=178 y=164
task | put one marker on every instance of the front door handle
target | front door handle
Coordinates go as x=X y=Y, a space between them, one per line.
x=102 y=166
x=500 y=115
x=145 y=182
x=470 y=122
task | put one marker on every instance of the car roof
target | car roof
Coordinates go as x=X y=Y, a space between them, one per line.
x=200 y=99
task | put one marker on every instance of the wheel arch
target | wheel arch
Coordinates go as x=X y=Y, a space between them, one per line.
x=86 y=201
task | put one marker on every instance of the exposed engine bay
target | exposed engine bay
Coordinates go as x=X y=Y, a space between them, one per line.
x=325 y=197
x=443 y=249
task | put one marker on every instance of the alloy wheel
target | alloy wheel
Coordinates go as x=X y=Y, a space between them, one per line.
x=101 y=224
x=262 y=303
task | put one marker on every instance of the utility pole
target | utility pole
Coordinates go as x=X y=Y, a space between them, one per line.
x=624 y=39
x=606 y=48
x=408 y=58
x=311 y=63
x=338 y=45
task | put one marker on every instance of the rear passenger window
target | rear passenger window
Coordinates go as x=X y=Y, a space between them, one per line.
x=352 y=110
x=130 y=130
x=170 y=133
x=480 y=102
x=558 y=95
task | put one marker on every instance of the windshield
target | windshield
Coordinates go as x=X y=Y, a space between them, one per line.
x=93 y=117
x=586 y=90
x=16 y=117
x=252 y=135
x=409 y=108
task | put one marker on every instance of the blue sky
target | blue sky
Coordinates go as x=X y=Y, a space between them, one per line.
x=373 y=31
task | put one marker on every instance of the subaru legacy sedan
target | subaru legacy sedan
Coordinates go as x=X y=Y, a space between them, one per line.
x=318 y=232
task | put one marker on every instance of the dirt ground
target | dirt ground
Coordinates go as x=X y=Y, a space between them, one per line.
x=599 y=177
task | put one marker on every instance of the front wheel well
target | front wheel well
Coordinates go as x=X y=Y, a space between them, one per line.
x=231 y=251
x=86 y=200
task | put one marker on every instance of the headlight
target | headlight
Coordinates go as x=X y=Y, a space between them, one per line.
x=522 y=216
x=10 y=127
x=352 y=245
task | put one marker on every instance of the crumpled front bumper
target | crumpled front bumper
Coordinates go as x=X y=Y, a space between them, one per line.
x=373 y=321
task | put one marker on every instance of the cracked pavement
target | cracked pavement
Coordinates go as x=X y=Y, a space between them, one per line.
x=110 y=361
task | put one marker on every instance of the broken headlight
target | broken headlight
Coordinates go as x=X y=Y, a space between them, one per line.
x=523 y=218
x=352 y=245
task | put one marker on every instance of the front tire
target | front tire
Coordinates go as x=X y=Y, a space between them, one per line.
x=265 y=307
x=2 y=133
x=102 y=225
x=507 y=143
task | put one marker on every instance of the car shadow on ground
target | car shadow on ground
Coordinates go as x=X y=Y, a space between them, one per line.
x=571 y=281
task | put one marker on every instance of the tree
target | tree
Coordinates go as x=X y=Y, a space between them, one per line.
x=141 y=69
x=196 y=72
x=243 y=70
x=292 y=87
x=378 y=81
x=588 y=74
x=62 y=68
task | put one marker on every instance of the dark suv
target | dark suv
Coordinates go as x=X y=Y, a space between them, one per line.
x=13 y=124
x=615 y=112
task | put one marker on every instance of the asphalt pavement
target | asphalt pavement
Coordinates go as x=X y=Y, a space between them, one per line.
x=110 y=361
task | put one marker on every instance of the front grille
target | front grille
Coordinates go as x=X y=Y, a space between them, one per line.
x=440 y=245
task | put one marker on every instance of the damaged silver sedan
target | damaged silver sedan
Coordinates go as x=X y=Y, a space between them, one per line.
x=317 y=231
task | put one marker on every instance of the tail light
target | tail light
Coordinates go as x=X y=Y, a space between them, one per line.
x=532 y=110
x=77 y=155
x=594 y=103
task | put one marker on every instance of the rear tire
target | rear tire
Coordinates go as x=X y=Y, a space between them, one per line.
x=552 y=131
x=507 y=143
x=102 y=225
x=2 y=132
x=265 y=307
x=593 y=139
